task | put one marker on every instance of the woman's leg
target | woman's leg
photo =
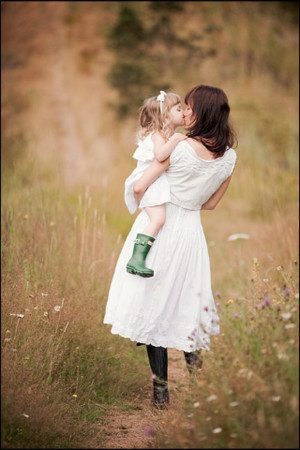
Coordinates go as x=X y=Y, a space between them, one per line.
x=194 y=360
x=158 y=359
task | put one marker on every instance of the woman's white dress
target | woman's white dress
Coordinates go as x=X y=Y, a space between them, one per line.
x=176 y=307
x=159 y=191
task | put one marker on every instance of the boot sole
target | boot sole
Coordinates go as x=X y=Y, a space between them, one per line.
x=135 y=272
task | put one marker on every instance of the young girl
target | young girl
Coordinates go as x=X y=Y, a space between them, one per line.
x=159 y=118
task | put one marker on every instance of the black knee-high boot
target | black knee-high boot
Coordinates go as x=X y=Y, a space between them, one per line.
x=193 y=360
x=158 y=359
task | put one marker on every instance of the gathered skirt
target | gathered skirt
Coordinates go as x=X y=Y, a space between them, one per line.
x=175 y=308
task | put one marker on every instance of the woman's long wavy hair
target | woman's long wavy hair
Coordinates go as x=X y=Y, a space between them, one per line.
x=211 y=124
x=151 y=119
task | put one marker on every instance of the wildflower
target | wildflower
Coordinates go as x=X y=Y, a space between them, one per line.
x=211 y=398
x=205 y=308
x=208 y=419
x=46 y=313
x=190 y=426
x=25 y=216
x=229 y=301
x=266 y=302
x=235 y=237
x=196 y=404
x=44 y=295
x=57 y=308
x=17 y=315
x=218 y=304
x=52 y=223
x=74 y=395
x=193 y=332
x=217 y=430
x=218 y=294
x=279 y=268
x=190 y=415
x=265 y=280
x=286 y=316
x=153 y=376
x=276 y=398
x=25 y=415
x=148 y=431
x=233 y=404
x=289 y=325
x=286 y=291
x=296 y=295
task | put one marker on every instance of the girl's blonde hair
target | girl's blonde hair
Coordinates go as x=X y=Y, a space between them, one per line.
x=152 y=119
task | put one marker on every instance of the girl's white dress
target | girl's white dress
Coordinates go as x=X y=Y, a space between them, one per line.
x=176 y=307
x=158 y=192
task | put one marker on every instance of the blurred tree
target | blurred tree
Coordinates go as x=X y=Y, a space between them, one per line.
x=147 y=58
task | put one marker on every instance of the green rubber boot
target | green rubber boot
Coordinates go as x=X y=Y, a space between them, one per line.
x=136 y=264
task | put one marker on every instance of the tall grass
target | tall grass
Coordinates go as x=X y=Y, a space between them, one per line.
x=61 y=368
x=247 y=393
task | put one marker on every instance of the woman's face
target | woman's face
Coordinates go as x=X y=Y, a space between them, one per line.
x=188 y=117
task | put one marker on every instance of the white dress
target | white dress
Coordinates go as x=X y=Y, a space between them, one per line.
x=158 y=192
x=175 y=308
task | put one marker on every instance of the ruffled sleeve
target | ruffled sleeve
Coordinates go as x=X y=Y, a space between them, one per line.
x=144 y=151
x=228 y=163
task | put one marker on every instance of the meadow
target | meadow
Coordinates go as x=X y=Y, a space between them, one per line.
x=63 y=223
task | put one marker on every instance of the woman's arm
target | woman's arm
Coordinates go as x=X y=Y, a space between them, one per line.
x=163 y=149
x=212 y=202
x=152 y=172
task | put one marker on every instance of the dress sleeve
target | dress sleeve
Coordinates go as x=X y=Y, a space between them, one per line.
x=144 y=151
x=229 y=164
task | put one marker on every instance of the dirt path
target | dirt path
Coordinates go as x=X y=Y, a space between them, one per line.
x=137 y=428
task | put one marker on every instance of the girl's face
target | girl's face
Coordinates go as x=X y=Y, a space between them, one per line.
x=176 y=116
x=188 y=117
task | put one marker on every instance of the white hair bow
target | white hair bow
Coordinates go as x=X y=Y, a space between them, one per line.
x=161 y=99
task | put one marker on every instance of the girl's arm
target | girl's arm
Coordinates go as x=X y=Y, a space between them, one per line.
x=163 y=148
x=212 y=202
x=152 y=172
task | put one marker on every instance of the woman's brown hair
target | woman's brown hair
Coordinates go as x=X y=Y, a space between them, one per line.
x=211 y=119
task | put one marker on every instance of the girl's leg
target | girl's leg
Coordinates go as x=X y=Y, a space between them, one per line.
x=157 y=216
x=143 y=242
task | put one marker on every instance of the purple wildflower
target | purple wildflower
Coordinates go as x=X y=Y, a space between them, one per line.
x=148 y=431
x=266 y=302
x=218 y=294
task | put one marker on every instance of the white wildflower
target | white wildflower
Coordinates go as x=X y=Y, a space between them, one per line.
x=276 y=398
x=286 y=316
x=25 y=415
x=289 y=325
x=17 y=315
x=57 y=308
x=217 y=430
x=235 y=237
x=233 y=404
x=211 y=398
x=196 y=404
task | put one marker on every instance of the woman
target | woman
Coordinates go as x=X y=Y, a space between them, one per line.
x=176 y=308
